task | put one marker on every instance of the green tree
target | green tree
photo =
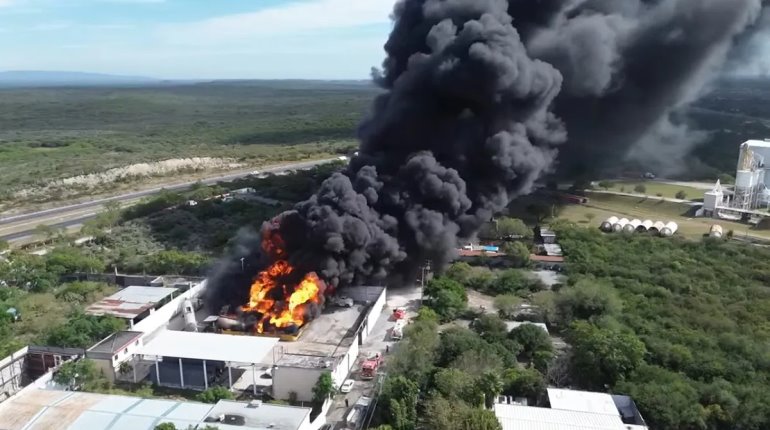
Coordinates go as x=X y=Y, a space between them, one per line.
x=507 y=304
x=177 y=263
x=479 y=419
x=165 y=426
x=603 y=356
x=527 y=382
x=323 y=388
x=640 y=188
x=45 y=231
x=510 y=227
x=72 y=260
x=447 y=297
x=400 y=396
x=459 y=272
x=75 y=373
x=82 y=331
x=457 y=385
x=415 y=356
x=215 y=394
x=681 y=195
x=588 y=299
x=518 y=252
x=490 y=327
x=490 y=385
x=606 y=185
x=4 y=245
x=533 y=340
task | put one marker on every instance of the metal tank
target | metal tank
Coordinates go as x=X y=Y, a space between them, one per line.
x=657 y=226
x=715 y=231
x=618 y=226
x=190 y=322
x=644 y=226
x=669 y=229
x=608 y=223
x=632 y=226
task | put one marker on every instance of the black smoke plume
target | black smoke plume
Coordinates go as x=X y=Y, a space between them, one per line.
x=480 y=96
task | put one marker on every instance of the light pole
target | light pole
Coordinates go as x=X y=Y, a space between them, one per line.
x=242 y=269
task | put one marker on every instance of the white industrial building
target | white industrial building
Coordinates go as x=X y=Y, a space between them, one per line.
x=752 y=184
x=572 y=409
x=36 y=409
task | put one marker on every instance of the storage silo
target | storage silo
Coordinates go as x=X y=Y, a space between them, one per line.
x=608 y=223
x=657 y=226
x=669 y=229
x=618 y=226
x=715 y=231
x=632 y=226
x=644 y=226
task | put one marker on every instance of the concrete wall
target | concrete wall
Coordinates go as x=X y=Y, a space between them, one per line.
x=374 y=295
x=11 y=373
x=347 y=362
x=160 y=318
x=299 y=380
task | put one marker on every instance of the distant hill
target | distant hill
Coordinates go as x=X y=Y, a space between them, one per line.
x=24 y=78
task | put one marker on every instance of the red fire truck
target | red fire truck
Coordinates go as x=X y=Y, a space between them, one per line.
x=370 y=365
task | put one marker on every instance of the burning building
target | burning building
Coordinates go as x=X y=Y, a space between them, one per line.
x=480 y=97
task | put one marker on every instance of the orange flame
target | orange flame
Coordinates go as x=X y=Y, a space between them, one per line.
x=290 y=310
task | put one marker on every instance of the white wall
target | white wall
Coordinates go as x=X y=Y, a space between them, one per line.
x=299 y=380
x=160 y=318
x=11 y=371
x=374 y=314
x=347 y=362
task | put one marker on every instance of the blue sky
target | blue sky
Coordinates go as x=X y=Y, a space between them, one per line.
x=187 y=39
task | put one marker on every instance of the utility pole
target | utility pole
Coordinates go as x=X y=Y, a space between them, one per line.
x=242 y=269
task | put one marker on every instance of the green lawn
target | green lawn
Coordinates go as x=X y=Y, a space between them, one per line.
x=654 y=188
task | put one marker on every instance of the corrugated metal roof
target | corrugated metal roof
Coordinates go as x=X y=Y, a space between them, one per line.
x=515 y=417
x=38 y=409
x=116 y=341
x=130 y=301
x=582 y=401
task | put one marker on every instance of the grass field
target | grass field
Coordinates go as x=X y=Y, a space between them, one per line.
x=603 y=206
x=655 y=188
x=55 y=133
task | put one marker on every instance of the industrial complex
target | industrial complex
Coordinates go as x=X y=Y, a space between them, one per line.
x=750 y=197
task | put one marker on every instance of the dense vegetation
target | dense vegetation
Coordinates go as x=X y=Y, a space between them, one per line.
x=680 y=326
x=61 y=132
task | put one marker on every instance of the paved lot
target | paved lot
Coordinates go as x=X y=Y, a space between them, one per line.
x=378 y=341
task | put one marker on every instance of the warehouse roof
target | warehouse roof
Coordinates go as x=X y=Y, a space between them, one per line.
x=210 y=346
x=517 y=417
x=46 y=409
x=130 y=302
x=583 y=401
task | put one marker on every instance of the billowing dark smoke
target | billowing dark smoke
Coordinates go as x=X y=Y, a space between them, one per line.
x=480 y=96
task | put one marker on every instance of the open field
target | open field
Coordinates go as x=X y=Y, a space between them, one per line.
x=55 y=133
x=654 y=188
x=604 y=206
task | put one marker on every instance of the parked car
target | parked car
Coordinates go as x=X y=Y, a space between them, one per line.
x=347 y=386
x=342 y=301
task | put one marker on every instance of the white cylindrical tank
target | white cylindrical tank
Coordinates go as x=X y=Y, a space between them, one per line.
x=715 y=231
x=632 y=226
x=608 y=223
x=618 y=226
x=645 y=226
x=657 y=226
x=745 y=179
x=669 y=229
x=190 y=323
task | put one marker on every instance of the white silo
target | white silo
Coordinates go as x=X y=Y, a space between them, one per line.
x=632 y=226
x=608 y=223
x=657 y=226
x=645 y=226
x=618 y=226
x=669 y=229
x=715 y=231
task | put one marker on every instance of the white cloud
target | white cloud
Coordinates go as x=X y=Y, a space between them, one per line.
x=6 y=3
x=51 y=26
x=292 y=18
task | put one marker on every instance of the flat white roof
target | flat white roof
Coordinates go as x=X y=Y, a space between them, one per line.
x=210 y=346
x=757 y=143
x=517 y=417
x=582 y=401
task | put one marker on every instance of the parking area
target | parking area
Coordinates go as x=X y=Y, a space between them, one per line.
x=378 y=341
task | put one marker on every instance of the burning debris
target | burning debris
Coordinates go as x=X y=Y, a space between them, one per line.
x=479 y=98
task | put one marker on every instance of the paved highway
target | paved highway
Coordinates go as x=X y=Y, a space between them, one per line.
x=21 y=227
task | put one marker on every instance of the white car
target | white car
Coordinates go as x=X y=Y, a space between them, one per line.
x=347 y=386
